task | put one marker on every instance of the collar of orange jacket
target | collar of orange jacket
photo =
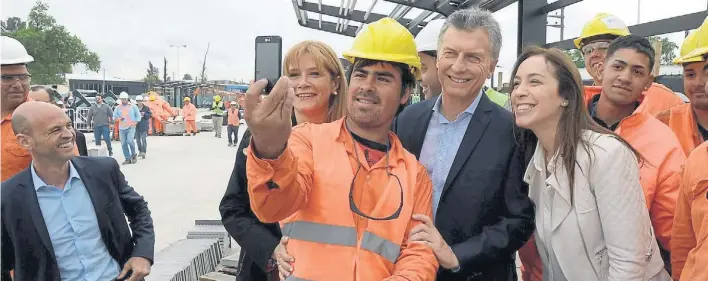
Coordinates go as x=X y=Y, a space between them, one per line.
x=396 y=152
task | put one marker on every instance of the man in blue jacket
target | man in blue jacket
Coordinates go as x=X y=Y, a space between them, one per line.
x=141 y=130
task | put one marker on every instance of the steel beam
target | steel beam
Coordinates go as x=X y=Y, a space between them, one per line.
x=531 y=24
x=330 y=27
x=664 y=26
x=355 y=15
x=558 y=5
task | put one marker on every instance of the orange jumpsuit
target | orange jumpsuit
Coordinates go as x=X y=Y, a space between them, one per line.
x=14 y=157
x=689 y=251
x=190 y=116
x=307 y=189
x=682 y=120
x=660 y=179
x=156 y=110
x=659 y=96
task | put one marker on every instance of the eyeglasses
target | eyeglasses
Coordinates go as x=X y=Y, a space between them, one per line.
x=10 y=78
x=352 y=205
x=597 y=46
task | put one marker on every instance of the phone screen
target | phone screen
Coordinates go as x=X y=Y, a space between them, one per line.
x=268 y=61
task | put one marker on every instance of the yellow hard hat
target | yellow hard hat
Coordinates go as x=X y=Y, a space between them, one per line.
x=152 y=97
x=701 y=49
x=689 y=44
x=602 y=24
x=187 y=99
x=386 y=40
x=217 y=98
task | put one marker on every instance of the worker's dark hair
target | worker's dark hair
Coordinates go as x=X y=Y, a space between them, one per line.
x=408 y=80
x=632 y=42
x=432 y=53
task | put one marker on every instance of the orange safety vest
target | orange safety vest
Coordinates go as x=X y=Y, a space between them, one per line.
x=689 y=251
x=659 y=176
x=14 y=157
x=682 y=121
x=125 y=113
x=307 y=189
x=655 y=99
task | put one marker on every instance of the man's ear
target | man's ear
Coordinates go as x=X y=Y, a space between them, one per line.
x=600 y=71
x=651 y=81
x=406 y=95
x=24 y=141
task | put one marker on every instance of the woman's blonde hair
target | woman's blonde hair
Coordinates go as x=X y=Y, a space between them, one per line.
x=325 y=59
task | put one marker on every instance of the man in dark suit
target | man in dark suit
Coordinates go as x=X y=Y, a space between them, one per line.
x=482 y=214
x=63 y=218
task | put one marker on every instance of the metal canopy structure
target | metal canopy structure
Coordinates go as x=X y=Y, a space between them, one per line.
x=532 y=17
x=350 y=20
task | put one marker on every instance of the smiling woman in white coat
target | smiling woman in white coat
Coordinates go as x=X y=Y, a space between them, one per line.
x=592 y=222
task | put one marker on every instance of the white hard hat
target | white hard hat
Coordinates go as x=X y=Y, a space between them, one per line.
x=124 y=95
x=233 y=102
x=13 y=52
x=427 y=39
x=139 y=98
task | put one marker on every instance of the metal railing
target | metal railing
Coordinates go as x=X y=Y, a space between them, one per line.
x=79 y=116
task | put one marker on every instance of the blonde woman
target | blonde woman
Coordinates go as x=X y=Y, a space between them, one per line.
x=320 y=84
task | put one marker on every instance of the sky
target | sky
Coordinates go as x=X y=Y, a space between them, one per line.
x=126 y=34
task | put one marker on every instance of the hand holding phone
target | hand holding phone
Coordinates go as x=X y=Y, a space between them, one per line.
x=269 y=51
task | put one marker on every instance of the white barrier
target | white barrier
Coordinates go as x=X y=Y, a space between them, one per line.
x=79 y=116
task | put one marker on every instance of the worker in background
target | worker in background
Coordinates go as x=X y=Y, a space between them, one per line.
x=14 y=91
x=689 y=252
x=166 y=109
x=217 y=115
x=234 y=121
x=427 y=44
x=128 y=116
x=116 y=126
x=593 y=42
x=41 y=94
x=101 y=116
x=347 y=190
x=156 y=124
x=141 y=130
x=690 y=121
x=189 y=112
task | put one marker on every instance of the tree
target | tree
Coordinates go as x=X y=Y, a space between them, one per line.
x=187 y=77
x=13 y=24
x=55 y=50
x=576 y=57
x=668 y=49
x=153 y=75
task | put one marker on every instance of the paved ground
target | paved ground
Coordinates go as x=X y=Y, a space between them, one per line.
x=183 y=179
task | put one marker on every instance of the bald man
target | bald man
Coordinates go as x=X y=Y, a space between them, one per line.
x=80 y=204
x=41 y=94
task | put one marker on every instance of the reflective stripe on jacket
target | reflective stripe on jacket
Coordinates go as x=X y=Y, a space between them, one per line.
x=682 y=121
x=500 y=99
x=656 y=99
x=307 y=190
x=689 y=251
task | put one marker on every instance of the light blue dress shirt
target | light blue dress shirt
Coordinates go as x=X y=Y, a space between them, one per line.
x=441 y=142
x=73 y=229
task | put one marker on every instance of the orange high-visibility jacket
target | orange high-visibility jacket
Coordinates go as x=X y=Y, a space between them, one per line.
x=14 y=157
x=307 y=190
x=189 y=112
x=655 y=99
x=689 y=251
x=660 y=179
x=682 y=121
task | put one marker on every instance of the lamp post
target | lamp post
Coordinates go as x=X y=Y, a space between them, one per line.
x=178 y=47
